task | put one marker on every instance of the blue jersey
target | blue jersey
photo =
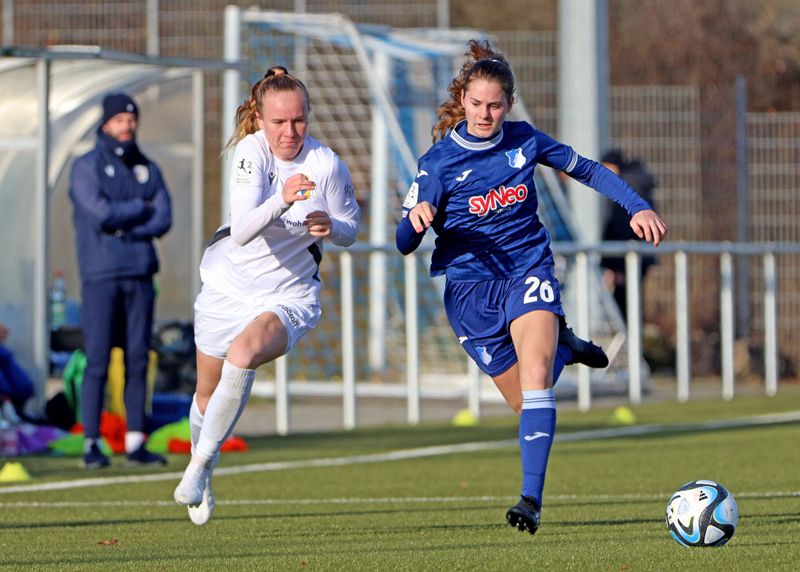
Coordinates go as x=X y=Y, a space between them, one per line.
x=485 y=198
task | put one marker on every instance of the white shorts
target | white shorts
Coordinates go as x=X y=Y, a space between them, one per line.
x=218 y=319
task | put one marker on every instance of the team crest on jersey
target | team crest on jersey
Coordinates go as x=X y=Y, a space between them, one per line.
x=515 y=158
x=142 y=173
x=412 y=196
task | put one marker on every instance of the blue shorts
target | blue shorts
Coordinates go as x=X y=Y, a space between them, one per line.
x=481 y=313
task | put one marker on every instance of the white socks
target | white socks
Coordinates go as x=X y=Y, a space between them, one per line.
x=133 y=440
x=223 y=411
x=195 y=422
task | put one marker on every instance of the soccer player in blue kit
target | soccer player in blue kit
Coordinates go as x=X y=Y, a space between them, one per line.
x=475 y=188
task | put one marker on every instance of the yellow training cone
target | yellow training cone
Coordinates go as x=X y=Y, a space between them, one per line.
x=464 y=418
x=623 y=415
x=13 y=473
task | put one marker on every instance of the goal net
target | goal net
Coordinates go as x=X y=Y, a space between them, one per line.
x=374 y=91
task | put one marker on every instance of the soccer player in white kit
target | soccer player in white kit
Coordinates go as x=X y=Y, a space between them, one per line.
x=260 y=272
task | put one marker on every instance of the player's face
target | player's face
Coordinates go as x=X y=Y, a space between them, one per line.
x=486 y=106
x=121 y=126
x=284 y=119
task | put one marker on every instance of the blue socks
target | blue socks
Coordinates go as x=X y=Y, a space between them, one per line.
x=563 y=355
x=537 y=427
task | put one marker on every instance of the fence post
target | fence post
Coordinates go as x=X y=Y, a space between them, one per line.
x=474 y=390
x=348 y=342
x=770 y=326
x=742 y=214
x=582 y=282
x=634 y=311
x=412 y=338
x=282 y=396
x=726 y=324
x=683 y=331
x=230 y=97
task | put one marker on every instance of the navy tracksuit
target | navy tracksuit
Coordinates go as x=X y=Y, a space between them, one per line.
x=121 y=205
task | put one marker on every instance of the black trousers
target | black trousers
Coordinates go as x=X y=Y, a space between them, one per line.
x=116 y=313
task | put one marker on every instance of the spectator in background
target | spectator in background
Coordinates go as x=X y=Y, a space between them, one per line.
x=617 y=224
x=121 y=205
x=16 y=386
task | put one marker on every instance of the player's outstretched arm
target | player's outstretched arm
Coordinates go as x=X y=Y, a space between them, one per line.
x=649 y=226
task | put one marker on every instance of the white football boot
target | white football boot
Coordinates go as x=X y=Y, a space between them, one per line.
x=202 y=513
x=190 y=490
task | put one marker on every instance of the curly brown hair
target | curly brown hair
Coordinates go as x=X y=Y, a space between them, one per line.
x=482 y=63
x=276 y=79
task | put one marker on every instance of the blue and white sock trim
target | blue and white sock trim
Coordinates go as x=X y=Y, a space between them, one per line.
x=539 y=399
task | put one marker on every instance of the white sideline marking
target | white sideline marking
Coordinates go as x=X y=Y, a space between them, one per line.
x=563 y=499
x=417 y=453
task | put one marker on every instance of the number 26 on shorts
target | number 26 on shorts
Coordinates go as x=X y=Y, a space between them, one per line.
x=538 y=290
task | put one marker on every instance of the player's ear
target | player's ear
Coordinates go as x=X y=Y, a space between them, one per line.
x=259 y=121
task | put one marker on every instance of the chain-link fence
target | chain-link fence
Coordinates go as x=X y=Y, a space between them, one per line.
x=686 y=135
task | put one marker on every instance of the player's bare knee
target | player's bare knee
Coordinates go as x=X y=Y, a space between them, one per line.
x=535 y=376
x=243 y=354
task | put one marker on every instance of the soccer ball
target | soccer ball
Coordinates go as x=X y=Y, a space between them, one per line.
x=702 y=513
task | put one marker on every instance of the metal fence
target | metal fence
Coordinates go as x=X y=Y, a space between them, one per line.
x=179 y=28
x=774 y=211
x=662 y=124
x=476 y=388
x=667 y=126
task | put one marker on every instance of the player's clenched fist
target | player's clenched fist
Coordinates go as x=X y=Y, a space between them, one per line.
x=421 y=216
x=295 y=188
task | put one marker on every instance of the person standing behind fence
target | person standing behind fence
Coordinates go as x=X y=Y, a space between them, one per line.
x=475 y=187
x=634 y=172
x=260 y=272
x=121 y=204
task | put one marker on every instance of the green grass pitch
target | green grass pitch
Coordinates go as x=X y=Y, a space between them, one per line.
x=603 y=509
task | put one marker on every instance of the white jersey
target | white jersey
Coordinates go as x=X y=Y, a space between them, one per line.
x=266 y=249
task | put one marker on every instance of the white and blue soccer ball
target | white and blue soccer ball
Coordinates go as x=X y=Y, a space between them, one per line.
x=702 y=513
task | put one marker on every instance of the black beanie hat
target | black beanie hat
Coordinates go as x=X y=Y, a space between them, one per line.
x=115 y=103
x=614 y=156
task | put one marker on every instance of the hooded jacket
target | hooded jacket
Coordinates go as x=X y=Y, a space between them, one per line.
x=120 y=205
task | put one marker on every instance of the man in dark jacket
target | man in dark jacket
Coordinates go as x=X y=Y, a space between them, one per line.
x=634 y=172
x=121 y=205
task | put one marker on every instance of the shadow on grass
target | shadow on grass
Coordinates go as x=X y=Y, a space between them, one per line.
x=252 y=515
x=304 y=552
x=87 y=523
